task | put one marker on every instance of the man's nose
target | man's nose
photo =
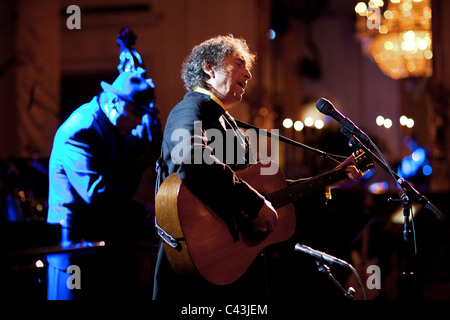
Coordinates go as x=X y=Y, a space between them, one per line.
x=248 y=74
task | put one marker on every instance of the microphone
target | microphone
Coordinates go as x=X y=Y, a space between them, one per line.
x=321 y=256
x=325 y=107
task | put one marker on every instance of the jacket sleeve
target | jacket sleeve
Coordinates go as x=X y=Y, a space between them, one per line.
x=214 y=182
x=84 y=165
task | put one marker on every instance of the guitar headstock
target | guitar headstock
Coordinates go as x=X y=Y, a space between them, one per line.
x=362 y=161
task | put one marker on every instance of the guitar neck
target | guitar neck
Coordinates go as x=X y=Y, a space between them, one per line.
x=301 y=189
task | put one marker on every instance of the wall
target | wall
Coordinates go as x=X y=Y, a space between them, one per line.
x=166 y=30
x=31 y=83
x=440 y=95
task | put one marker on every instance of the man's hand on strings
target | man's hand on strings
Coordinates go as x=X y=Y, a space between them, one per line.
x=267 y=219
x=353 y=174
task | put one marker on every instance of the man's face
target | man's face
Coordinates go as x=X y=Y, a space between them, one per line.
x=229 y=81
x=129 y=117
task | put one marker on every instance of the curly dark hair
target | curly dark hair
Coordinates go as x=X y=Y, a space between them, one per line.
x=213 y=51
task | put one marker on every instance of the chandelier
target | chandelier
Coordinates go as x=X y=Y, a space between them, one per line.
x=397 y=36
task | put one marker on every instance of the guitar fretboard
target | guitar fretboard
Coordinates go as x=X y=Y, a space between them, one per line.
x=300 y=189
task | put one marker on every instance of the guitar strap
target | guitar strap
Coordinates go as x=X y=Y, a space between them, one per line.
x=161 y=168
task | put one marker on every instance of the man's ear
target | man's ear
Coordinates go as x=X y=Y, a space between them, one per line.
x=208 y=69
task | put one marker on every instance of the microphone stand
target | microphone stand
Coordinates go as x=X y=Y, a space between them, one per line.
x=323 y=268
x=407 y=276
x=281 y=138
x=412 y=193
x=409 y=195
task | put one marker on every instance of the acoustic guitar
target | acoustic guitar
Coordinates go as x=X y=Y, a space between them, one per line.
x=201 y=242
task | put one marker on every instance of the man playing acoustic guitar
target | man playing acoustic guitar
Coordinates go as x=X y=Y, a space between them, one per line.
x=215 y=75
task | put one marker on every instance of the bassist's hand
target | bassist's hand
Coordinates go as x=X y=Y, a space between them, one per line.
x=267 y=219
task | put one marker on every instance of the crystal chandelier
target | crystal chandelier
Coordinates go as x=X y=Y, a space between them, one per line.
x=397 y=36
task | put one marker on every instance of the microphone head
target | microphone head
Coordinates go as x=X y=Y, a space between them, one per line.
x=300 y=248
x=324 y=106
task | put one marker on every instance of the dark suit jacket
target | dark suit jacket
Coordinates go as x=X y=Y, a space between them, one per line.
x=204 y=146
x=93 y=174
